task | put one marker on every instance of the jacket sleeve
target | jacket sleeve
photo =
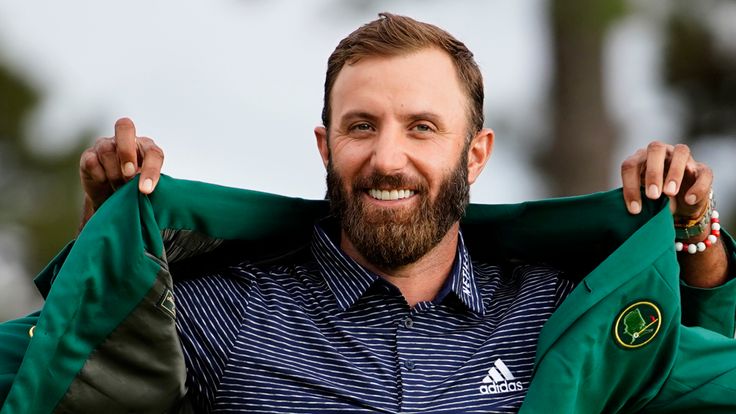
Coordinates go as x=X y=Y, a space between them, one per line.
x=14 y=339
x=713 y=309
x=15 y=334
x=703 y=377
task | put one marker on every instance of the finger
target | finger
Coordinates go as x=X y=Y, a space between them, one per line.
x=700 y=189
x=108 y=157
x=90 y=169
x=126 y=146
x=94 y=180
x=631 y=179
x=654 y=173
x=153 y=160
x=678 y=162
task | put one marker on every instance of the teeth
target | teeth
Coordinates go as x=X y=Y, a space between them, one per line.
x=390 y=194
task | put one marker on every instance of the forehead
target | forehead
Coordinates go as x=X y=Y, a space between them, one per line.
x=421 y=81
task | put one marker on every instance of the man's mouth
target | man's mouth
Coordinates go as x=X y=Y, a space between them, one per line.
x=390 y=195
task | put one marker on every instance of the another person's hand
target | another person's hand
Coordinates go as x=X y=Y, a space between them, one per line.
x=671 y=170
x=111 y=162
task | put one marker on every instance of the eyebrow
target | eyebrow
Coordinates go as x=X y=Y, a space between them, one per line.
x=430 y=116
x=350 y=115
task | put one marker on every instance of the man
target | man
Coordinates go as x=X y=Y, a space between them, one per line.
x=386 y=311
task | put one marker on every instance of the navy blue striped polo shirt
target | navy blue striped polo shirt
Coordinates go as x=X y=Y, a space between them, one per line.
x=330 y=336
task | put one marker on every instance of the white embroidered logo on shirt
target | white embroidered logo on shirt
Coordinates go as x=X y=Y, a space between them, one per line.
x=499 y=380
x=466 y=277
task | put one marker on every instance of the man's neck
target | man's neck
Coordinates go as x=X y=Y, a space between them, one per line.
x=422 y=280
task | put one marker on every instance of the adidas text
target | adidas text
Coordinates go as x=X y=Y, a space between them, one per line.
x=500 y=388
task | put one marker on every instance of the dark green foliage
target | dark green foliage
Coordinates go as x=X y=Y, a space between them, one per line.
x=40 y=193
x=703 y=73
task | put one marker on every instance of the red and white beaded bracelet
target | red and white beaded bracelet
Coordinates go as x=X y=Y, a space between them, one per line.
x=715 y=233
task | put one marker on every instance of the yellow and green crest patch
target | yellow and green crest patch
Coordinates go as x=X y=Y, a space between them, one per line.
x=637 y=324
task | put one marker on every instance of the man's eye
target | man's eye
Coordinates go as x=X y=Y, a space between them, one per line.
x=423 y=128
x=363 y=126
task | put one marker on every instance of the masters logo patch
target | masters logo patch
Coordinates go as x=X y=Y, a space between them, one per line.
x=637 y=324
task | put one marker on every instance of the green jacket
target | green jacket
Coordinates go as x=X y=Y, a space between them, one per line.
x=105 y=340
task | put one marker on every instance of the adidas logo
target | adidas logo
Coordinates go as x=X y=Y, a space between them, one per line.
x=499 y=380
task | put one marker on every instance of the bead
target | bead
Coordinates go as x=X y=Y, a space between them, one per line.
x=715 y=233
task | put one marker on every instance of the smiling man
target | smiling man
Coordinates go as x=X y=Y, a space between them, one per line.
x=382 y=308
x=401 y=154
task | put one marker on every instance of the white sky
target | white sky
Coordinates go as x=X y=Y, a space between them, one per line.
x=232 y=89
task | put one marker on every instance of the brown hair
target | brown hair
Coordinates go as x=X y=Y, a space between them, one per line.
x=393 y=35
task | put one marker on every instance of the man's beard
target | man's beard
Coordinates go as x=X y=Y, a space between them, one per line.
x=390 y=238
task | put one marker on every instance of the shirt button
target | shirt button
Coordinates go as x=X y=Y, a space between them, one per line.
x=408 y=323
x=409 y=364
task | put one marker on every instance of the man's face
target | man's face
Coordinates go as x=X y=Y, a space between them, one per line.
x=397 y=154
x=390 y=238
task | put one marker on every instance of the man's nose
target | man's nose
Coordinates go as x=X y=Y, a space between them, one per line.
x=389 y=151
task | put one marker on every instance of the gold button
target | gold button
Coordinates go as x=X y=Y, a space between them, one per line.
x=30 y=331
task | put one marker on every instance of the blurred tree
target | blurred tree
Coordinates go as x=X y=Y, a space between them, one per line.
x=40 y=194
x=701 y=68
x=701 y=71
x=582 y=137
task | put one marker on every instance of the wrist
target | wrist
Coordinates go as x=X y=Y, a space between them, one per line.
x=700 y=242
x=698 y=227
x=87 y=211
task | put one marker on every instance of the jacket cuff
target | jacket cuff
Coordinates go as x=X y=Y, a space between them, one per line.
x=14 y=339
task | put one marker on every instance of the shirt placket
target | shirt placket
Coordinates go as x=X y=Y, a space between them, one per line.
x=412 y=352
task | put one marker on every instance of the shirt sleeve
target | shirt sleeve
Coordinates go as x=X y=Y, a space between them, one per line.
x=209 y=315
x=714 y=308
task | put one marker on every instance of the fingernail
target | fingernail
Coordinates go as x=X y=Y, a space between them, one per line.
x=671 y=188
x=653 y=191
x=128 y=169
x=147 y=186
x=691 y=199
x=634 y=207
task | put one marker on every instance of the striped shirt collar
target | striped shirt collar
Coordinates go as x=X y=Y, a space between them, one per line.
x=348 y=280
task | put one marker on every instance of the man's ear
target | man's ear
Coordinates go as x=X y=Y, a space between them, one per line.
x=320 y=133
x=479 y=152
